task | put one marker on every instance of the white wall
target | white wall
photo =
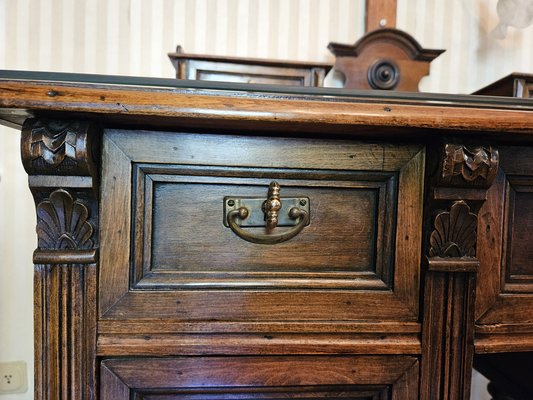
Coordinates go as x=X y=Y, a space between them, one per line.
x=473 y=57
x=132 y=37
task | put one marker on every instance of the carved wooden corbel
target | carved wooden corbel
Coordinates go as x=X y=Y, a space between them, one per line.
x=457 y=191
x=59 y=157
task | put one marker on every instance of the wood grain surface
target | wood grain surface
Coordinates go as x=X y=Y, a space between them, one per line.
x=327 y=114
x=505 y=292
x=261 y=377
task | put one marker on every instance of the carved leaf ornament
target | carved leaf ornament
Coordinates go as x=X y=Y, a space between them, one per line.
x=54 y=142
x=62 y=223
x=470 y=163
x=455 y=233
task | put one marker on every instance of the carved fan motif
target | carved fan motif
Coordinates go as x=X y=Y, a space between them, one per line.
x=455 y=233
x=62 y=223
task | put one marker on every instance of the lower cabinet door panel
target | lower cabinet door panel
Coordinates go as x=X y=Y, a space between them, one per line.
x=282 y=377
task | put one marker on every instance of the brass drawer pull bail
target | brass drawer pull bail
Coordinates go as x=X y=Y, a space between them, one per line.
x=238 y=210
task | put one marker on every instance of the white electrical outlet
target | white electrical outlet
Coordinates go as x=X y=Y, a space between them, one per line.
x=13 y=377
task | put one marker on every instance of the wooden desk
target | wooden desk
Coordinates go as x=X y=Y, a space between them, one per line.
x=151 y=281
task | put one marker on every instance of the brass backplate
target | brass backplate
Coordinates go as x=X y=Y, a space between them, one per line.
x=256 y=216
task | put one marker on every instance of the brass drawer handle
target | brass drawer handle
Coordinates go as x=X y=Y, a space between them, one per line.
x=238 y=211
x=273 y=238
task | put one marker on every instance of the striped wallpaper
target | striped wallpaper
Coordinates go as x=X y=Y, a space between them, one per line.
x=473 y=57
x=132 y=37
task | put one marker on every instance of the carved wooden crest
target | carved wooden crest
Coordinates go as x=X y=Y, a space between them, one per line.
x=384 y=59
x=454 y=234
x=63 y=223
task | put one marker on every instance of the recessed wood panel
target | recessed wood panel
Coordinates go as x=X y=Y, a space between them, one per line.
x=213 y=75
x=519 y=267
x=374 y=392
x=184 y=243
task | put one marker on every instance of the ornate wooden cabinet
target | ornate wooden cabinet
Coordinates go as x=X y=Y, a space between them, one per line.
x=513 y=85
x=247 y=70
x=215 y=241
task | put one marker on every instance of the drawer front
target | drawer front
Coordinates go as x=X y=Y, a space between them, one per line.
x=218 y=378
x=167 y=254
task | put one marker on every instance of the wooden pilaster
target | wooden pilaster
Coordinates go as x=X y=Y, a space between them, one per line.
x=59 y=158
x=456 y=193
